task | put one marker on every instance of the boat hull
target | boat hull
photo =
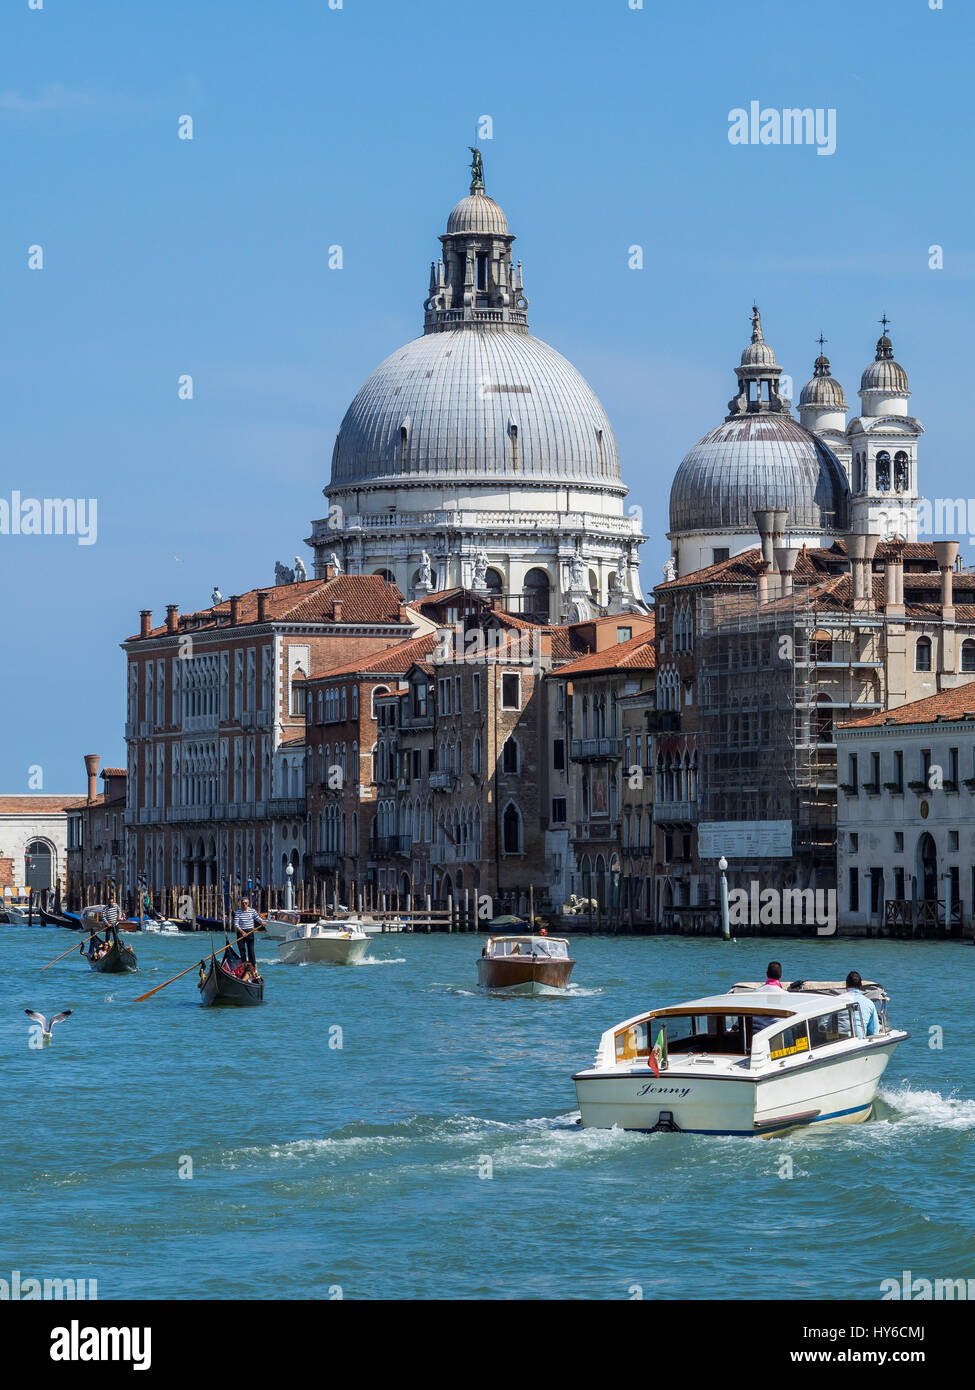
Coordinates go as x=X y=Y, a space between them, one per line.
x=837 y=1090
x=120 y=960
x=220 y=988
x=328 y=950
x=523 y=974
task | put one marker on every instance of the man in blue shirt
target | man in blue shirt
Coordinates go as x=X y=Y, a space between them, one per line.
x=865 y=1021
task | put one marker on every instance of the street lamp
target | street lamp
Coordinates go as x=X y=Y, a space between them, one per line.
x=725 y=928
x=289 y=874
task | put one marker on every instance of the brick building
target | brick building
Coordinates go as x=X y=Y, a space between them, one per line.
x=216 y=702
x=96 y=836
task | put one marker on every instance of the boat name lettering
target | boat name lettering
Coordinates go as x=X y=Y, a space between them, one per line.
x=652 y=1090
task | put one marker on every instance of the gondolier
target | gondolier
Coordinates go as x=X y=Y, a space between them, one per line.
x=246 y=920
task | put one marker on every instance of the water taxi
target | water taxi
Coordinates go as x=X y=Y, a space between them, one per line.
x=525 y=964
x=754 y=1061
x=335 y=943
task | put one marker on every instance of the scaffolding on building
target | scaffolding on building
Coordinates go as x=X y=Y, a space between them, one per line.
x=775 y=677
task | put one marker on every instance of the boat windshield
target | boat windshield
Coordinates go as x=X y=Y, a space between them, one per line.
x=685 y=1033
x=550 y=947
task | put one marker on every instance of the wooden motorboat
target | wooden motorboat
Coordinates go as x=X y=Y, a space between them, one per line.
x=221 y=986
x=754 y=1061
x=13 y=917
x=525 y=964
x=336 y=943
x=119 y=959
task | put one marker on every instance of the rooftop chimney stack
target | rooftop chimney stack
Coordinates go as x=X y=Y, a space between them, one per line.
x=785 y=560
x=234 y=610
x=856 y=543
x=172 y=617
x=145 y=622
x=869 y=550
x=92 y=764
x=262 y=606
x=763 y=520
x=946 y=553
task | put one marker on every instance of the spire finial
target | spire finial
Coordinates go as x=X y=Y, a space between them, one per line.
x=885 y=321
x=756 y=325
x=821 y=340
x=885 y=351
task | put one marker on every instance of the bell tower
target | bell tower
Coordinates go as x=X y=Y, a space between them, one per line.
x=883 y=449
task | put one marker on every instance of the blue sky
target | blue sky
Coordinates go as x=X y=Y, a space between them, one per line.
x=315 y=126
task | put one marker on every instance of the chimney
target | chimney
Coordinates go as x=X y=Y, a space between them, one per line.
x=404 y=617
x=234 y=609
x=262 y=607
x=92 y=764
x=337 y=611
x=779 y=518
x=946 y=552
x=785 y=559
x=763 y=520
x=145 y=621
x=855 y=546
x=869 y=550
x=763 y=585
x=172 y=617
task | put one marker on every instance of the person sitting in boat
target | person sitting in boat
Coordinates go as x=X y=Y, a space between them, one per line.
x=773 y=975
x=865 y=1021
x=249 y=973
x=246 y=920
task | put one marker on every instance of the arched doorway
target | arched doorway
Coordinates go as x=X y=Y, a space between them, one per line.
x=537 y=587
x=494 y=580
x=927 y=868
x=38 y=866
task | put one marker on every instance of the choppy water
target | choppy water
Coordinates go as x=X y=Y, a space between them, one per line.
x=316 y=1167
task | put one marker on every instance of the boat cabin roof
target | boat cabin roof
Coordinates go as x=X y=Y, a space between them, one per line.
x=768 y=1003
x=524 y=939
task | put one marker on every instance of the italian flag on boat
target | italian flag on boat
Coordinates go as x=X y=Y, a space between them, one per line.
x=658 y=1054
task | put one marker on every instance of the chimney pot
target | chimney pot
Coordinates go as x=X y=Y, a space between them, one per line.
x=172 y=617
x=262 y=606
x=92 y=764
x=145 y=622
x=337 y=611
x=234 y=609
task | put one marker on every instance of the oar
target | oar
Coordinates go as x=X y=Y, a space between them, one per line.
x=70 y=949
x=195 y=966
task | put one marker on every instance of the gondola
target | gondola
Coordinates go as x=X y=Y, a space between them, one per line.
x=119 y=959
x=220 y=987
x=58 y=919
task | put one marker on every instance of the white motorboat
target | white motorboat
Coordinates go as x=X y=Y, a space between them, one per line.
x=279 y=923
x=336 y=944
x=753 y=1061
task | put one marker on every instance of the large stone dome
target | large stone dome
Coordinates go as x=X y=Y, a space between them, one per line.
x=477 y=213
x=759 y=461
x=476 y=403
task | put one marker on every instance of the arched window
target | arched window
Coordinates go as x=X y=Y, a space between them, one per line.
x=388 y=575
x=494 y=580
x=378 y=690
x=902 y=471
x=922 y=654
x=537 y=588
x=509 y=756
x=594 y=586
x=511 y=829
x=968 y=655
x=883 y=471
x=476 y=749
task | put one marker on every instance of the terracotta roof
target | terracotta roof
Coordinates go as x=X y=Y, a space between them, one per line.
x=636 y=654
x=365 y=598
x=115 y=772
x=41 y=805
x=291 y=743
x=958 y=703
x=395 y=661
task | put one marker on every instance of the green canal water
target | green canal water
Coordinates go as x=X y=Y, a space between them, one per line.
x=435 y=1154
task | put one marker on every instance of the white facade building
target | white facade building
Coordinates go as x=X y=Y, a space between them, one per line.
x=34 y=840
x=906 y=817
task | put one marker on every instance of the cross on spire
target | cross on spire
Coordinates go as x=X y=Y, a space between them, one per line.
x=885 y=321
x=821 y=340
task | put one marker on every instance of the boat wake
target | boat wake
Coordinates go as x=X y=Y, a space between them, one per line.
x=924 y=1109
x=375 y=960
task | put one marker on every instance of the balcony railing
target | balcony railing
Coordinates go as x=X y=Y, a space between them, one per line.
x=326 y=859
x=386 y=845
x=593 y=749
x=441 y=781
x=682 y=811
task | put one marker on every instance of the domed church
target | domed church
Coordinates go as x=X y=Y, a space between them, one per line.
x=477 y=455
x=830 y=476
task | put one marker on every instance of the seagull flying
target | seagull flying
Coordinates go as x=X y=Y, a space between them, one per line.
x=46 y=1024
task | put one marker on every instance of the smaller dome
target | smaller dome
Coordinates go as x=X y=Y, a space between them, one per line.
x=884 y=374
x=758 y=353
x=823 y=389
x=478 y=213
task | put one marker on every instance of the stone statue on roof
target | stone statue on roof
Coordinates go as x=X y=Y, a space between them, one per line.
x=336 y=564
x=426 y=570
x=282 y=575
x=300 y=572
x=480 y=570
x=576 y=575
x=670 y=570
x=216 y=596
x=477 y=168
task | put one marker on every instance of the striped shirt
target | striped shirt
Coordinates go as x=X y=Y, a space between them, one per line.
x=112 y=915
x=246 y=919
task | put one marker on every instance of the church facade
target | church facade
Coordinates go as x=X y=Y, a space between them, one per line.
x=476 y=455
